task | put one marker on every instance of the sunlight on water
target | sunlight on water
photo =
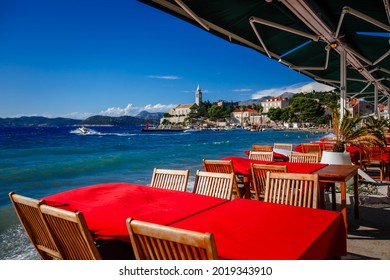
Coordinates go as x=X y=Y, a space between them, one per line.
x=37 y=162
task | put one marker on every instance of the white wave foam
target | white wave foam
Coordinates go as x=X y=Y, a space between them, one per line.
x=14 y=245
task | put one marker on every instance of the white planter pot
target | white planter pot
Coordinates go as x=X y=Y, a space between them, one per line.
x=331 y=157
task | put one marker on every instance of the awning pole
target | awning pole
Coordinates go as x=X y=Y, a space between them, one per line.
x=388 y=107
x=376 y=100
x=343 y=81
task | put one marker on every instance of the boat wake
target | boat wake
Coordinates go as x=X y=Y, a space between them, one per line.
x=92 y=132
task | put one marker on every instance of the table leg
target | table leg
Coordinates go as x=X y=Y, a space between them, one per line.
x=247 y=189
x=343 y=187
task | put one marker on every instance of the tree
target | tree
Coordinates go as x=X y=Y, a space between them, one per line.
x=275 y=114
x=306 y=109
x=216 y=112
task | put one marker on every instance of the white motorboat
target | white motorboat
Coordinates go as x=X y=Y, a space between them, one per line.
x=84 y=130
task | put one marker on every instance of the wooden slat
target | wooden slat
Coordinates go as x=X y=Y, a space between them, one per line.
x=223 y=166
x=292 y=189
x=304 y=157
x=71 y=232
x=156 y=242
x=261 y=155
x=283 y=146
x=259 y=176
x=32 y=221
x=170 y=179
x=214 y=184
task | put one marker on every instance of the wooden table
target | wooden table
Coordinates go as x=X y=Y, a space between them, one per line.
x=243 y=229
x=336 y=173
x=107 y=206
x=327 y=174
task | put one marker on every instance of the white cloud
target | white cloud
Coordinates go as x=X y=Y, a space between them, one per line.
x=164 y=77
x=296 y=88
x=158 y=108
x=242 y=90
x=131 y=110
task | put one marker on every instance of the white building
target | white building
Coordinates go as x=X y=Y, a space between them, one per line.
x=274 y=102
x=182 y=111
x=246 y=116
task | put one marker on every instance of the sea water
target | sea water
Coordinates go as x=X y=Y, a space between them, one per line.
x=40 y=161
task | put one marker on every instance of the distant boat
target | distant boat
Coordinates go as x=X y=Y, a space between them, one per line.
x=84 y=130
x=161 y=128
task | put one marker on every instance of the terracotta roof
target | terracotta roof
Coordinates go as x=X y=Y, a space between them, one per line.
x=245 y=110
x=274 y=99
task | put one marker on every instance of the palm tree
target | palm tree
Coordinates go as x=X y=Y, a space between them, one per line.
x=351 y=131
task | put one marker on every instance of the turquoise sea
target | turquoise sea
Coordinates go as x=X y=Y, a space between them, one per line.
x=39 y=161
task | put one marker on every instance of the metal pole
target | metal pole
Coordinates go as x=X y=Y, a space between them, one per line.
x=388 y=107
x=376 y=101
x=343 y=81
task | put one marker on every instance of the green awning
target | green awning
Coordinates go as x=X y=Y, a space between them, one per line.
x=299 y=34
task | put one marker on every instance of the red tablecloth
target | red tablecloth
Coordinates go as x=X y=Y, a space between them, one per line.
x=107 y=206
x=242 y=165
x=306 y=168
x=248 y=229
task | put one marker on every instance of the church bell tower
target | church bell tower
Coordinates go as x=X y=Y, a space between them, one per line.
x=198 y=96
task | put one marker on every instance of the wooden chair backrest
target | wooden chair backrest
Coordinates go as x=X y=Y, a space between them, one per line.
x=222 y=166
x=283 y=146
x=156 y=242
x=259 y=178
x=71 y=232
x=31 y=219
x=170 y=179
x=258 y=155
x=312 y=148
x=292 y=189
x=263 y=148
x=303 y=157
x=328 y=146
x=368 y=154
x=214 y=184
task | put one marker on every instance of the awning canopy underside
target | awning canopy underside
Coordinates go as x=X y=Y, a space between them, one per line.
x=306 y=36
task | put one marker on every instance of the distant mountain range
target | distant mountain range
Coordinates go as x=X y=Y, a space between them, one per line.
x=140 y=119
x=153 y=119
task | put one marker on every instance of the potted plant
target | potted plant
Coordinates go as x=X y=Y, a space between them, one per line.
x=351 y=130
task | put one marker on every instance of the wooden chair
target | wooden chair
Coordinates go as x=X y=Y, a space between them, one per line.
x=312 y=148
x=328 y=146
x=283 y=146
x=304 y=157
x=71 y=232
x=292 y=189
x=214 y=184
x=258 y=155
x=224 y=166
x=259 y=176
x=262 y=148
x=371 y=159
x=31 y=219
x=170 y=179
x=157 y=242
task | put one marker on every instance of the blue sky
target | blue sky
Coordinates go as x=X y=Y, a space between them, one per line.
x=76 y=58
